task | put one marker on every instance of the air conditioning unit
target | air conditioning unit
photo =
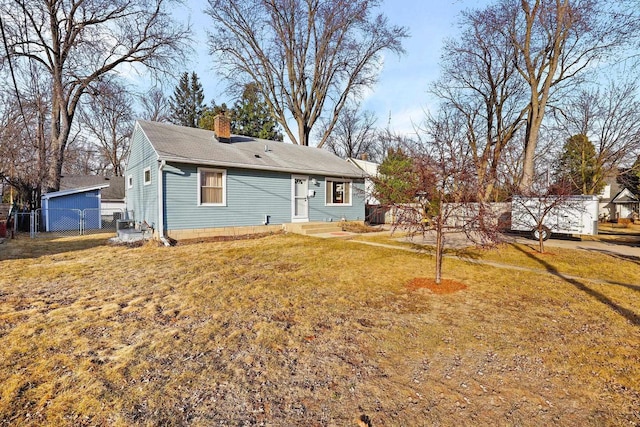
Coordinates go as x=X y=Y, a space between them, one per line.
x=125 y=224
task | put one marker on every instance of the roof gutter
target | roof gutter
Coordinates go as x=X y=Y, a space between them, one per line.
x=60 y=193
x=161 y=235
x=359 y=174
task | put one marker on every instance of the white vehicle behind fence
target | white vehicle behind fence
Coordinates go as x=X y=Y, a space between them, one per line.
x=573 y=215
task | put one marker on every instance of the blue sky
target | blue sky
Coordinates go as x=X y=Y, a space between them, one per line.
x=401 y=92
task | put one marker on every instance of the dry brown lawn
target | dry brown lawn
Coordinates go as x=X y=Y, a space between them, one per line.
x=289 y=330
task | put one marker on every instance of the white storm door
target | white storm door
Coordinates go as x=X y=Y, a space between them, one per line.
x=300 y=198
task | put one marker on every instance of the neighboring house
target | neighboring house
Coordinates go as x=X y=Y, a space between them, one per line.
x=370 y=170
x=617 y=203
x=375 y=213
x=186 y=182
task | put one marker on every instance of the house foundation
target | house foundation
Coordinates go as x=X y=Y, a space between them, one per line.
x=199 y=233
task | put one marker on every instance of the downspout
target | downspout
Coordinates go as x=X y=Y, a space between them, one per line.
x=45 y=212
x=161 y=235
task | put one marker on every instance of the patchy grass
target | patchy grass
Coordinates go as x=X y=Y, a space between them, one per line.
x=570 y=262
x=585 y=264
x=291 y=330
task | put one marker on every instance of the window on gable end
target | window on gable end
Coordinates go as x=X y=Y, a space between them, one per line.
x=147 y=176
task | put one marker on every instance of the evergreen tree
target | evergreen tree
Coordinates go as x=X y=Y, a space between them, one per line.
x=209 y=113
x=397 y=181
x=578 y=166
x=251 y=116
x=186 y=104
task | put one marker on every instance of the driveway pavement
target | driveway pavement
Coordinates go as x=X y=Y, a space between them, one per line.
x=628 y=247
x=625 y=248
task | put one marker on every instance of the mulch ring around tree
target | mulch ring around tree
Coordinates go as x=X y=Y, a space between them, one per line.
x=446 y=286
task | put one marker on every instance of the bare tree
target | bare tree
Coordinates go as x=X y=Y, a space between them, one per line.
x=307 y=57
x=556 y=41
x=354 y=134
x=480 y=84
x=155 y=106
x=76 y=42
x=437 y=192
x=107 y=116
x=610 y=118
x=387 y=139
x=24 y=146
x=83 y=158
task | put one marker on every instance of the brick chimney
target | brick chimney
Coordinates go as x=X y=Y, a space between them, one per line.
x=222 y=128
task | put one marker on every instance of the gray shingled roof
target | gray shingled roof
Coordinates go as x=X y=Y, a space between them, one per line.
x=625 y=196
x=197 y=146
x=115 y=191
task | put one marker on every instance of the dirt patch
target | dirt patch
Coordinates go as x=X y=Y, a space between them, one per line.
x=446 y=286
x=230 y=238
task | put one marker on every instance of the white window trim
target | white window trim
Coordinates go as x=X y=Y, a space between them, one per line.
x=130 y=181
x=144 y=175
x=224 y=187
x=326 y=183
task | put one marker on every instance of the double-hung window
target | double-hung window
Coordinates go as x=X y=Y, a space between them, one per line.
x=212 y=187
x=338 y=192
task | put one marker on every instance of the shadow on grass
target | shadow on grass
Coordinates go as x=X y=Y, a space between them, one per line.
x=630 y=315
x=620 y=240
x=633 y=231
x=631 y=258
x=24 y=247
x=625 y=285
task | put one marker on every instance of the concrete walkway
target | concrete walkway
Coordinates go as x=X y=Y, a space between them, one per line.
x=626 y=246
x=623 y=246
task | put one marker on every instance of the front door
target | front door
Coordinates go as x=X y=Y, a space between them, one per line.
x=300 y=198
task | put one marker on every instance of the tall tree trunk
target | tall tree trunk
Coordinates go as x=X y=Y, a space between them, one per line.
x=60 y=131
x=439 y=243
x=41 y=139
x=55 y=167
x=303 y=131
x=528 y=163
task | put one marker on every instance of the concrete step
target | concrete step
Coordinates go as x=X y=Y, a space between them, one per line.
x=309 y=228
x=320 y=230
x=132 y=235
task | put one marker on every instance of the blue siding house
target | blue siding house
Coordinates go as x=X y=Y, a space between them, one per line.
x=186 y=182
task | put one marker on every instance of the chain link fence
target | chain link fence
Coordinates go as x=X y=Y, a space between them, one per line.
x=67 y=222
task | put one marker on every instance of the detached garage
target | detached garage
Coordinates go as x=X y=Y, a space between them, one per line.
x=73 y=209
